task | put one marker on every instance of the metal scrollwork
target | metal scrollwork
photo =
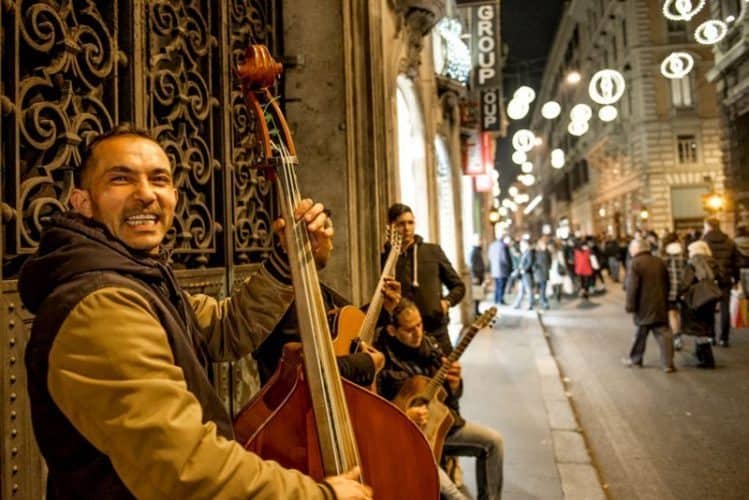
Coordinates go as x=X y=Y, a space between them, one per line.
x=253 y=207
x=64 y=96
x=182 y=96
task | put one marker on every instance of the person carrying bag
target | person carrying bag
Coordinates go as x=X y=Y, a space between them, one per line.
x=700 y=292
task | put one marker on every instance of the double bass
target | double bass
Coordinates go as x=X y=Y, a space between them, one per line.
x=306 y=417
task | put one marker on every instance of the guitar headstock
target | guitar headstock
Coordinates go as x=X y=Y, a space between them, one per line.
x=487 y=318
x=394 y=237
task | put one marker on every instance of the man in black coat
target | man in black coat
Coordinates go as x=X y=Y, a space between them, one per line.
x=422 y=270
x=500 y=266
x=724 y=252
x=647 y=297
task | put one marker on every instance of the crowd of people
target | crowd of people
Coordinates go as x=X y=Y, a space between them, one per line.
x=677 y=285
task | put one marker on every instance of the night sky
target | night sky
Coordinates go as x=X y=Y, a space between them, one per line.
x=528 y=28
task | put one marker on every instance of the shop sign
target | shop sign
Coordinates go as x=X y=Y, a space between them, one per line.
x=485 y=45
x=490 y=119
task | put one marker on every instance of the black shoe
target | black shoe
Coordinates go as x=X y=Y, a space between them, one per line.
x=629 y=363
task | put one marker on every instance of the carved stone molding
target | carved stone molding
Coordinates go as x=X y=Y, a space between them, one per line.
x=418 y=17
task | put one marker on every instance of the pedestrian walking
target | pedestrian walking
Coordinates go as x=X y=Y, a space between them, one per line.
x=700 y=291
x=584 y=268
x=611 y=251
x=500 y=266
x=724 y=252
x=524 y=273
x=673 y=257
x=742 y=247
x=541 y=269
x=557 y=271
x=647 y=298
x=478 y=272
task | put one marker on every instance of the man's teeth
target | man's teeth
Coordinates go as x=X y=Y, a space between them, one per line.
x=140 y=220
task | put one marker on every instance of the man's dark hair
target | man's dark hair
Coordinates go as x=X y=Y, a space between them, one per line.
x=712 y=223
x=396 y=210
x=670 y=238
x=402 y=306
x=119 y=130
x=742 y=231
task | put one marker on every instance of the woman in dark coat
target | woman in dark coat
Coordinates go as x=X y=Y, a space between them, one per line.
x=700 y=322
x=541 y=268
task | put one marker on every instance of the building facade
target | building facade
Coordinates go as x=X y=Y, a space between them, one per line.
x=648 y=168
x=730 y=74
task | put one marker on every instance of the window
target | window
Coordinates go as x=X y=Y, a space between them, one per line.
x=676 y=31
x=681 y=92
x=687 y=148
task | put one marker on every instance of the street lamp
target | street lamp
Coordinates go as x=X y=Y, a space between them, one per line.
x=713 y=202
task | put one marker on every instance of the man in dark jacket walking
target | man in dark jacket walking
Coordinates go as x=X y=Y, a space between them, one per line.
x=422 y=270
x=647 y=297
x=724 y=252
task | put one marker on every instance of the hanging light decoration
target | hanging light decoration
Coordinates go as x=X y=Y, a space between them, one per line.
x=711 y=32
x=557 y=158
x=581 y=113
x=523 y=140
x=682 y=10
x=606 y=87
x=513 y=191
x=519 y=157
x=524 y=94
x=551 y=110
x=677 y=65
x=528 y=179
x=578 y=128
x=517 y=110
x=608 y=114
x=527 y=167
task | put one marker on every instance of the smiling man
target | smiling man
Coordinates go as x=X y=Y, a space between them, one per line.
x=119 y=356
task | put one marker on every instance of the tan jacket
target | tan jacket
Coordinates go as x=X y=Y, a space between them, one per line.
x=112 y=374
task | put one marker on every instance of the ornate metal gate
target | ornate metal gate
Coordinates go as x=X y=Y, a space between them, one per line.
x=72 y=69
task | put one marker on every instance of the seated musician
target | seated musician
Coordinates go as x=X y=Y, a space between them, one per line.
x=359 y=367
x=409 y=352
x=119 y=356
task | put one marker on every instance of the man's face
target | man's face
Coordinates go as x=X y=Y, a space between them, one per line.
x=405 y=223
x=129 y=189
x=410 y=330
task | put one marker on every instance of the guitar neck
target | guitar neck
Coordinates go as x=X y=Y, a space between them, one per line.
x=438 y=379
x=367 y=330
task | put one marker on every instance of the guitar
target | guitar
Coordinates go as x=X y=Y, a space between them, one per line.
x=420 y=390
x=353 y=326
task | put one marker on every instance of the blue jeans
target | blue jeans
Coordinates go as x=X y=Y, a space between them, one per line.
x=474 y=440
x=499 y=289
x=526 y=289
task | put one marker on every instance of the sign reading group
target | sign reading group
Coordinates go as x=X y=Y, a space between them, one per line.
x=486 y=53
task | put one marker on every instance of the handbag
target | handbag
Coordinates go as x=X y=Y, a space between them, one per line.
x=701 y=293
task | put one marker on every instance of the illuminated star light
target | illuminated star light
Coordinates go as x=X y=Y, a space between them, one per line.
x=557 y=158
x=517 y=110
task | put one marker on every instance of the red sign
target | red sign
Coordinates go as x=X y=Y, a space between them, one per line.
x=472 y=158
x=487 y=151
